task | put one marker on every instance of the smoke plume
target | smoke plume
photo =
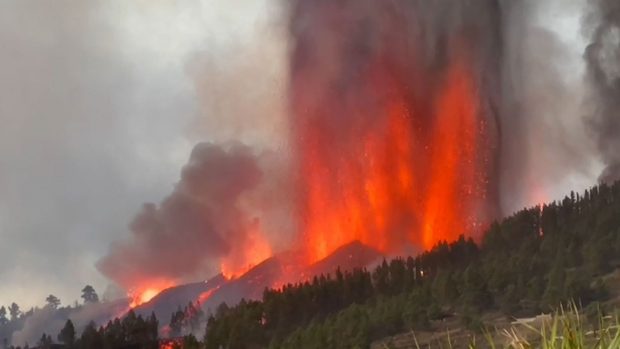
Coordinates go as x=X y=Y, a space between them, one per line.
x=603 y=63
x=200 y=223
x=408 y=122
x=545 y=148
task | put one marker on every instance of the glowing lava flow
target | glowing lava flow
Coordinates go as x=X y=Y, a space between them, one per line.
x=205 y=295
x=146 y=293
x=254 y=249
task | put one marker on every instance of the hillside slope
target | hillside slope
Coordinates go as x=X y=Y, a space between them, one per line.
x=250 y=286
x=524 y=265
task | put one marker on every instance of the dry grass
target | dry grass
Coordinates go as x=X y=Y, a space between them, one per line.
x=567 y=328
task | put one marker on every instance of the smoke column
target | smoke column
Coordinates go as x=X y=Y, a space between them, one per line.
x=603 y=62
x=409 y=122
x=202 y=226
x=394 y=120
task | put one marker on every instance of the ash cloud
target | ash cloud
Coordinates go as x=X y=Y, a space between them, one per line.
x=603 y=64
x=545 y=148
x=99 y=108
x=81 y=122
x=201 y=221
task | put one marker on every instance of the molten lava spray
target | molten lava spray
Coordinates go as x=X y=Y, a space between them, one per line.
x=392 y=125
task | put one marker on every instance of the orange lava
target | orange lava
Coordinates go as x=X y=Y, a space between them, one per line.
x=407 y=174
x=145 y=293
x=205 y=295
x=246 y=254
x=171 y=343
x=456 y=182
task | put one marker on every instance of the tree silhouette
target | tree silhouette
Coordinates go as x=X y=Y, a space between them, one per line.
x=45 y=342
x=67 y=334
x=14 y=311
x=3 y=318
x=89 y=295
x=91 y=338
x=52 y=301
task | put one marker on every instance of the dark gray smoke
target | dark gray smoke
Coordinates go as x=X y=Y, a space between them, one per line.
x=201 y=221
x=546 y=150
x=603 y=63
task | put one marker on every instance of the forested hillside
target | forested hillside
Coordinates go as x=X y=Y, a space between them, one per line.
x=526 y=264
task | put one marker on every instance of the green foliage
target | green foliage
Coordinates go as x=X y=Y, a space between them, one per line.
x=527 y=263
x=567 y=329
x=91 y=337
x=130 y=332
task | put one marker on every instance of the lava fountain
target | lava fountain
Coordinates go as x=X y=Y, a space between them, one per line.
x=391 y=127
x=394 y=139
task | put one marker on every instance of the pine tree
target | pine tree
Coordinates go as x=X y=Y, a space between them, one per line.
x=91 y=338
x=14 y=311
x=176 y=323
x=3 y=318
x=475 y=295
x=89 y=295
x=52 y=301
x=45 y=342
x=67 y=334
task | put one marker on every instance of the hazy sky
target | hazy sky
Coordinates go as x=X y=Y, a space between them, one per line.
x=102 y=101
x=100 y=105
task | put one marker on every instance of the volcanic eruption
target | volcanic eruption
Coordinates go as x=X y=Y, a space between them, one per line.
x=393 y=137
x=394 y=134
x=394 y=142
x=202 y=225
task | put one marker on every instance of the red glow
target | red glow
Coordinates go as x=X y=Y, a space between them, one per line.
x=171 y=343
x=407 y=174
x=456 y=175
x=246 y=254
x=145 y=293
x=537 y=195
x=205 y=295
